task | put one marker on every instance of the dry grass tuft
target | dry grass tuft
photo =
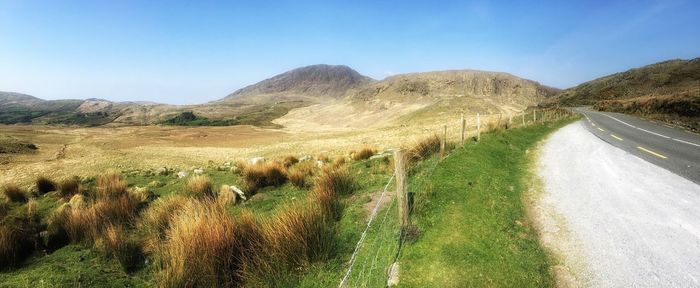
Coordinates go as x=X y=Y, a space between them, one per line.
x=111 y=185
x=69 y=187
x=297 y=178
x=289 y=161
x=86 y=224
x=264 y=174
x=45 y=185
x=14 y=193
x=336 y=180
x=155 y=221
x=339 y=161
x=364 y=154
x=199 y=187
x=203 y=248
x=226 y=196
x=425 y=147
x=16 y=243
x=114 y=242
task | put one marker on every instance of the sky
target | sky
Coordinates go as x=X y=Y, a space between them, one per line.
x=186 y=52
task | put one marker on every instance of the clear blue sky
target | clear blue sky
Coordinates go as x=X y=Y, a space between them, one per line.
x=197 y=51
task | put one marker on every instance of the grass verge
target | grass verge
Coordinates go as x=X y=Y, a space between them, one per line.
x=475 y=231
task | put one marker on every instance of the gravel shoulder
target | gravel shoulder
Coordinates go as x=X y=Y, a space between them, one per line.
x=612 y=219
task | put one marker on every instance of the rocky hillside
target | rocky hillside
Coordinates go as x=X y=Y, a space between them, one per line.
x=663 y=78
x=667 y=91
x=310 y=83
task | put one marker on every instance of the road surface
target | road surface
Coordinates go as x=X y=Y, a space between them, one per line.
x=613 y=218
x=674 y=149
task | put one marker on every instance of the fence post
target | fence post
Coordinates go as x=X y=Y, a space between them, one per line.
x=478 y=127
x=443 y=142
x=534 y=116
x=464 y=123
x=400 y=171
x=523 y=119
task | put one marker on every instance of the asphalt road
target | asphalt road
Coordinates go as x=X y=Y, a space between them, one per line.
x=674 y=149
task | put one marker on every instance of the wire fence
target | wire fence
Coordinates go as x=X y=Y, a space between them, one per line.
x=380 y=244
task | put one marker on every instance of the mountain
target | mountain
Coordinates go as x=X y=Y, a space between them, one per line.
x=311 y=83
x=423 y=97
x=668 y=91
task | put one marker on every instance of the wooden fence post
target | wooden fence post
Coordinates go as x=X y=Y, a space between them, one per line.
x=400 y=171
x=534 y=116
x=478 y=127
x=443 y=142
x=523 y=119
x=464 y=123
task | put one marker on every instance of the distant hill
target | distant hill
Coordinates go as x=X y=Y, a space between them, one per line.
x=424 y=97
x=667 y=91
x=311 y=83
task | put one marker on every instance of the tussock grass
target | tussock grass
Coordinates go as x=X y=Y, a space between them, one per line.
x=297 y=178
x=339 y=161
x=69 y=187
x=199 y=187
x=363 y=153
x=424 y=147
x=155 y=221
x=336 y=180
x=45 y=185
x=115 y=243
x=264 y=174
x=111 y=185
x=16 y=243
x=56 y=234
x=14 y=193
x=202 y=248
x=226 y=196
x=87 y=223
x=289 y=161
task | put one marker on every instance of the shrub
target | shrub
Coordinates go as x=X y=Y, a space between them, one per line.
x=297 y=178
x=111 y=185
x=127 y=251
x=264 y=174
x=45 y=185
x=69 y=187
x=14 y=193
x=203 y=248
x=289 y=161
x=363 y=154
x=155 y=221
x=423 y=148
x=199 y=187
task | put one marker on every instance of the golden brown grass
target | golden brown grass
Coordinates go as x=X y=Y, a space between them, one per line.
x=289 y=161
x=111 y=185
x=226 y=196
x=264 y=174
x=15 y=243
x=87 y=223
x=155 y=221
x=363 y=153
x=297 y=178
x=336 y=180
x=339 y=161
x=14 y=193
x=424 y=147
x=115 y=243
x=69 y=187
x=202 y=248
x=45 y=185
x=199 y=187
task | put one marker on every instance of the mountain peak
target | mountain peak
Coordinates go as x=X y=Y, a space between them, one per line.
x=314 y=81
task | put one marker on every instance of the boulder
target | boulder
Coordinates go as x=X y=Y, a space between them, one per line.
x=198 y=171
x=238 y=191
x=162 y=171
x=256 y=160
x=182 y=174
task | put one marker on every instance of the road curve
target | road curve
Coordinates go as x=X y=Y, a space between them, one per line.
x=674 y=149
x=614 y=219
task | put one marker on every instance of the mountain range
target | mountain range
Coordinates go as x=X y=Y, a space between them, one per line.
x=342 y=92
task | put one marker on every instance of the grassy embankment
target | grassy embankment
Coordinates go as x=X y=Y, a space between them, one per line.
x=475 y=231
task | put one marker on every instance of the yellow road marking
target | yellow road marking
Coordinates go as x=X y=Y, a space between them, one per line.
x=601 y=129
x=618 y=138
x=652 y=152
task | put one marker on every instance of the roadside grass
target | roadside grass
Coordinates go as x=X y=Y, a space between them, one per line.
x=474 y=227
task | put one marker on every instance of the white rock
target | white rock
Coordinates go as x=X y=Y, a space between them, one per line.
x=319 y=163
x=305 y=158
x=256 y=160
x=198 y=171
x=238 y=191
x=227 y=164
x=182 y=174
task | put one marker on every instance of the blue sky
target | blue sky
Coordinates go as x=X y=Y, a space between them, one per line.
x=197 y=51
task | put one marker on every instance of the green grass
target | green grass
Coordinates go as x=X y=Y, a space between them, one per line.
x=473 y=223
